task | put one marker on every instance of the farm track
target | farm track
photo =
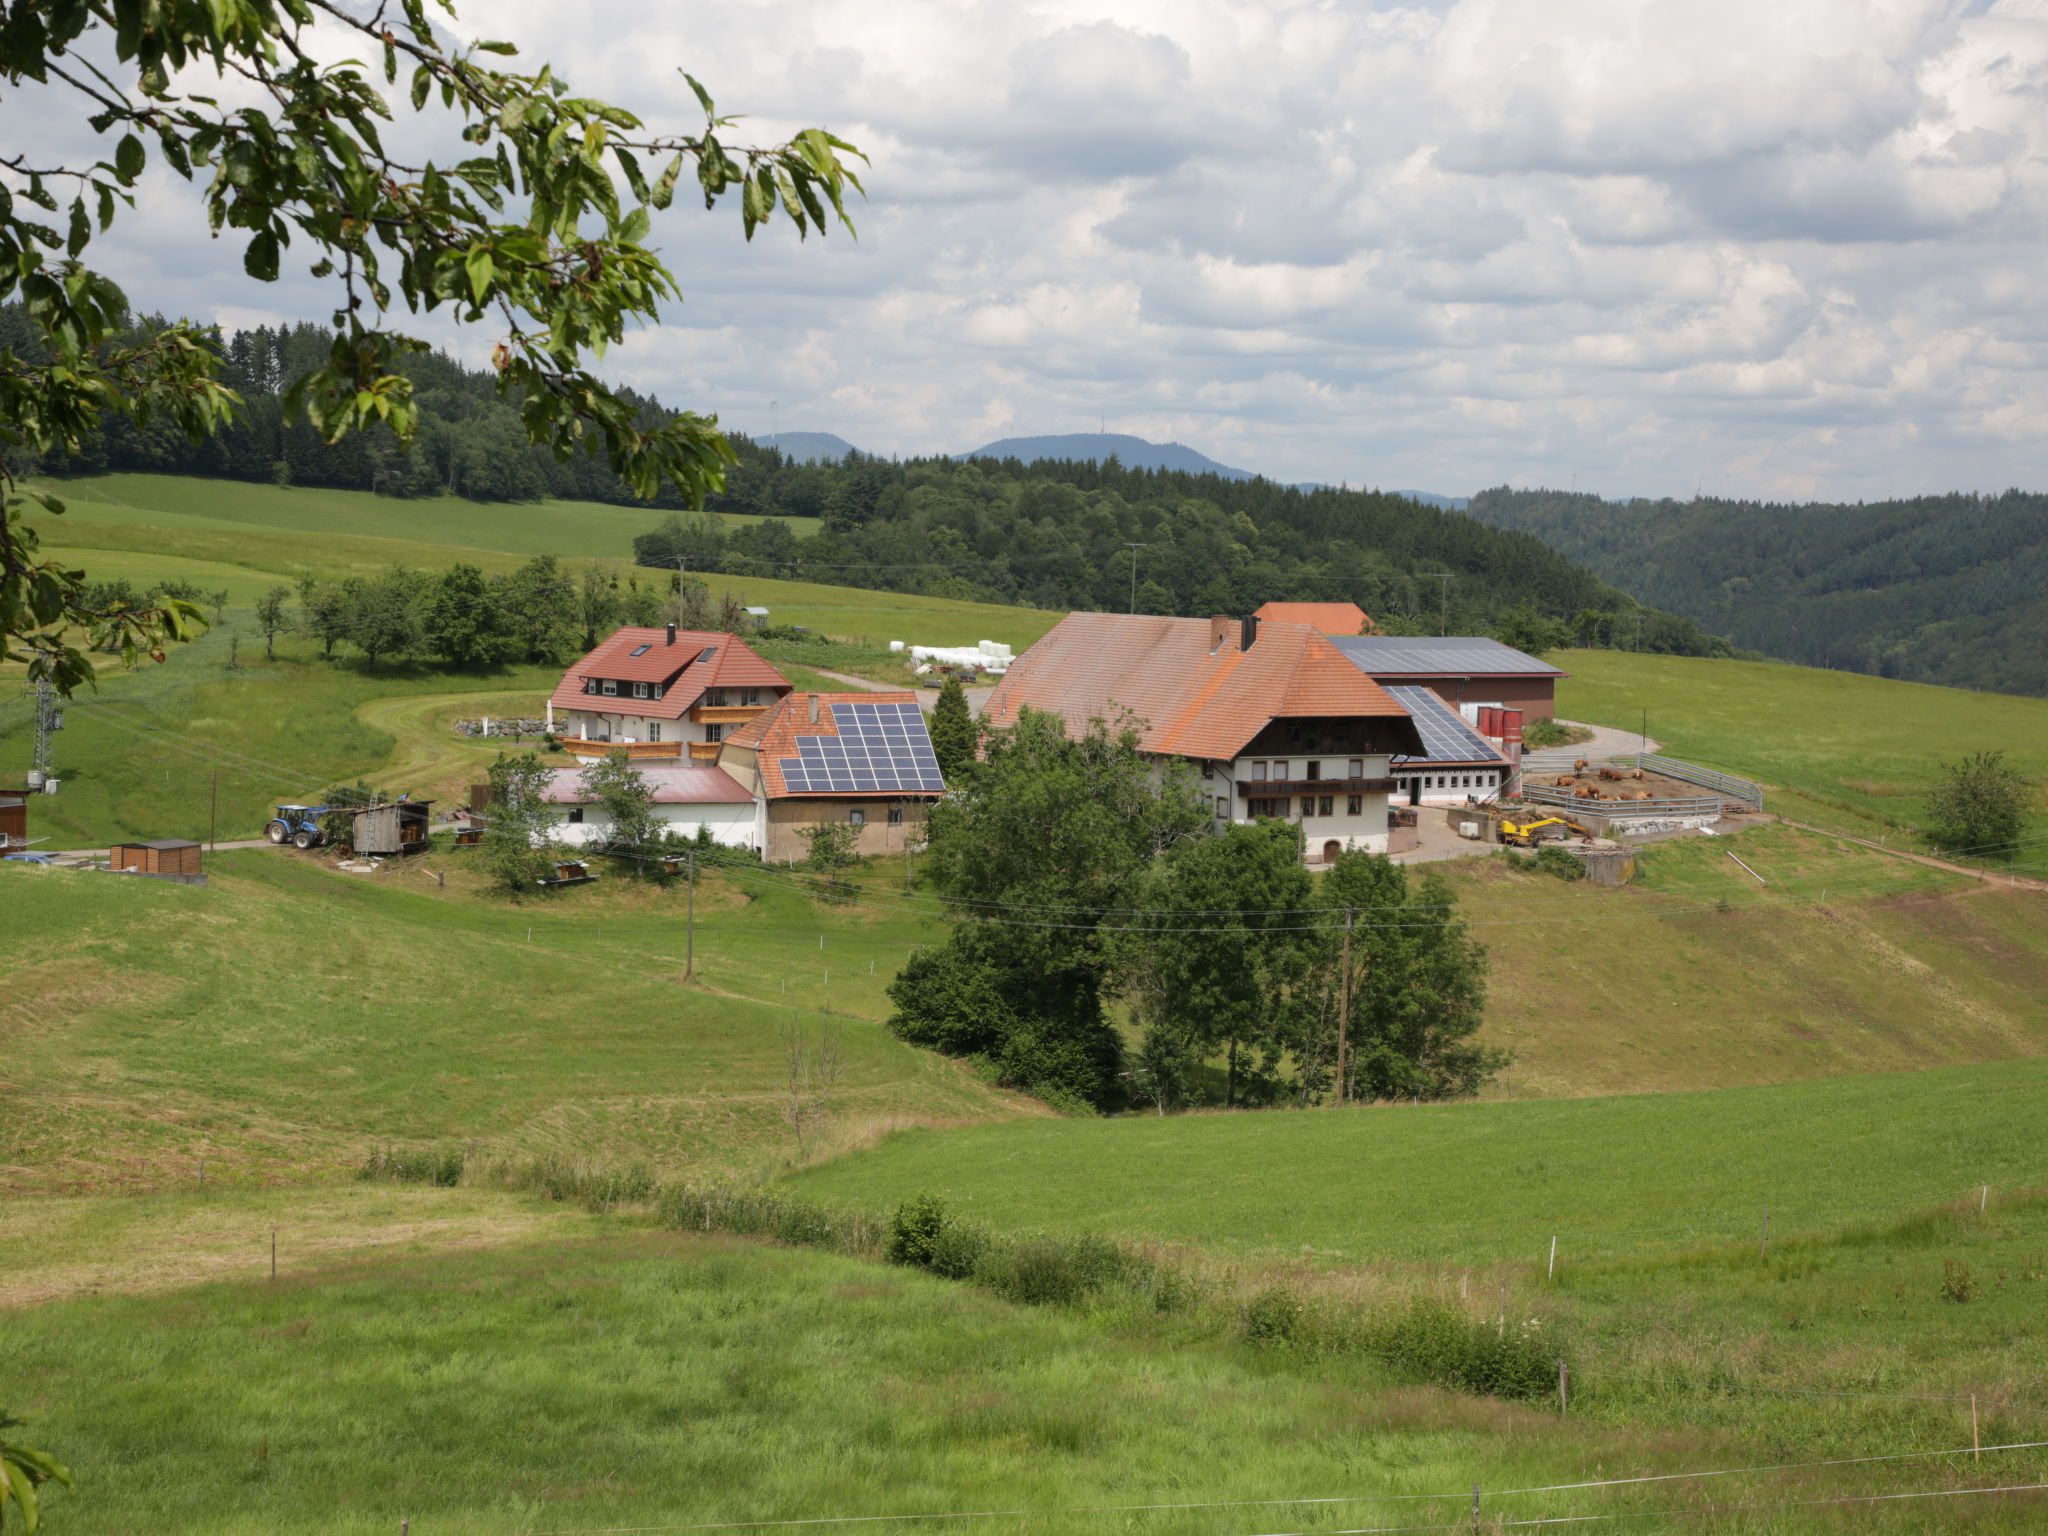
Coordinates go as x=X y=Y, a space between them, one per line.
x=426 y=758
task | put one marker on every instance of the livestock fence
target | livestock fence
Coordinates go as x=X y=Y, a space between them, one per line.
x=1705 y=805
x=1725 y=784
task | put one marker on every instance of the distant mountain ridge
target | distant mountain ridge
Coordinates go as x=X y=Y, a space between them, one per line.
x=1079 y=448
x=1097 y=447
x=808 y=447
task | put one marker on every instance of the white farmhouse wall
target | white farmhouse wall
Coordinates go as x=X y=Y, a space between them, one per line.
x=732 y=825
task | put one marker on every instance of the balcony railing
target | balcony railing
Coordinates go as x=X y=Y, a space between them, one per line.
x=580 y=748
x=724 y=714
x=704 y=751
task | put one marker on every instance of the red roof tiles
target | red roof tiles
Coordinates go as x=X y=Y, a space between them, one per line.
x=671 y=786
x=681 y=670
x=1323 y=618
x=1194 y=692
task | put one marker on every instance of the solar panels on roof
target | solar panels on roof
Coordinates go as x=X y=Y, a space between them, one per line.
x=1455 y=655
x=880 y=749
x=1446 y=738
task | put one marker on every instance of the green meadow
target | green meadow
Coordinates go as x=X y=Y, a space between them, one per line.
x=287 y=1019
x=1843 y=750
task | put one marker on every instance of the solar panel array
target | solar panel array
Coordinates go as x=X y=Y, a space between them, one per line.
x=1446 y=738
x=879 y=748
x=1376 y=654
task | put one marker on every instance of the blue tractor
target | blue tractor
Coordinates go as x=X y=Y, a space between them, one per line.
x=299 y=825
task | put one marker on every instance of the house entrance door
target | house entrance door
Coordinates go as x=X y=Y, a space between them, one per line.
x=1330 y=851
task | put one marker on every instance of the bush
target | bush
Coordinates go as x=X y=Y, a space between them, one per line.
x=1059 y=1271
x=1435 y=1341
x=443 y=1168
x=918 y=1226
x=1554 y=860
x=1274 y=1317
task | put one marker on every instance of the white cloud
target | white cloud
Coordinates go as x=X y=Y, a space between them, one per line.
x=1791 y=248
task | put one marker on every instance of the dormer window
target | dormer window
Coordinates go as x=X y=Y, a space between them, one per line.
x=590 y=685
x=608 y=686
x=657 y=690
x=639 y=690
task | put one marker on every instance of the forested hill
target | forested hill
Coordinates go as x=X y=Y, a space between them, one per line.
x=1058 y=534
x=1049 y=534
x=1937 y=589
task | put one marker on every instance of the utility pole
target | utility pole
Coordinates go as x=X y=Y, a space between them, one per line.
x=1344 y=1016
x=48 y=722
x=690 y=943
x=1134 y=548
x=1443 y=622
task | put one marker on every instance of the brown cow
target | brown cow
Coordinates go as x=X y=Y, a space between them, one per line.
x=1611 y=775
x=1565 y=781
x=1635 y=773
x=1579 y=766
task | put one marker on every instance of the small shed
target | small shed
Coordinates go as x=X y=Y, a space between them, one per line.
x=167 y=858
x=13 y=817
x=383 y=831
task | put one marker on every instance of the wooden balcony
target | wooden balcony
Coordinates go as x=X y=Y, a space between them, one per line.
x=724 y=714
x=632 y=749
x=704 y=751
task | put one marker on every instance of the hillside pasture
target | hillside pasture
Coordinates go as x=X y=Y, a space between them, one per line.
x=287 y=1019
x=1840 y=749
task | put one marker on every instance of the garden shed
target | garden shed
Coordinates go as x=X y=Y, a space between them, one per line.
x=167 y=858
x=383 y=831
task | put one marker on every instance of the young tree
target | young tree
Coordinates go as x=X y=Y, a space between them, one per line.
x=952 y=731
x=539 y=604
x=1227 y=958
x=1049 y=839
x=519 y=824
x=384 y=618
x=325 y=610
x=1979 y=805
x=541 y=225
x=461 y=621
x=622 y=793
x=273 y=617
x=597 y=605
x=1417 y=982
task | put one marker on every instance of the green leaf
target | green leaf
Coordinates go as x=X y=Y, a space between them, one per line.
x=635 y=227
x=129 y=158
x=703 y=96
x=81 y=228
x=260 y=259
x=481 y=269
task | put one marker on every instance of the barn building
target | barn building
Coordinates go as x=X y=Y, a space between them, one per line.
x=687 y=798
x=662 y=693
x=1456 y=765
x=861 y=759
x=1272 y=717
x=1462 y=669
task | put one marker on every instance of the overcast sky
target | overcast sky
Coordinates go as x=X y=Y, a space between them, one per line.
x=1770 y=247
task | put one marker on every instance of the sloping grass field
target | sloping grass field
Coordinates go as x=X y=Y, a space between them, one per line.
x=1843 y=750
x=287 y=1019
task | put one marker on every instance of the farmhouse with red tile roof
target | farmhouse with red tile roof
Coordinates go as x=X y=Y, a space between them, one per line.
x=662 y=693
x=1272 y=716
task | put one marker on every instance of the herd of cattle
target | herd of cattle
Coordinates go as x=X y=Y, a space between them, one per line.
x=1583 y=791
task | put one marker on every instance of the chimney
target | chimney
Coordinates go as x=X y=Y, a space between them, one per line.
x=1248 y=631
x=814 y=709
x=671 y=634
x=1219 y=631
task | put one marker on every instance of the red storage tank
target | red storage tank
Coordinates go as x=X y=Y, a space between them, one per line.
x=1511 y=725
x=1489 y=720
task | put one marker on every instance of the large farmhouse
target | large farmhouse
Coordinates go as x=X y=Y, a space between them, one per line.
x=1272 y=716
x=1461 y=669
x=662 y=693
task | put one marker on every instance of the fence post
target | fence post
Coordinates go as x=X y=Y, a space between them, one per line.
x=1551 y=1271
x=1764 y=1240
x=1475 y=1506
x=1564 y=1399
x=1983 y=1197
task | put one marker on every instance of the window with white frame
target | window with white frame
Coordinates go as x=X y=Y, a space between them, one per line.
x=654 y=730
x=608 y=686
x=639 y=690
x=857 y=817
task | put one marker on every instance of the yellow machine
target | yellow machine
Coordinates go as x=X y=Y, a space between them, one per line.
x=1527 y=834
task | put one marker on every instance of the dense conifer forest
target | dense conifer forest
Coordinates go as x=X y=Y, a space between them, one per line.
x=1935 y=589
